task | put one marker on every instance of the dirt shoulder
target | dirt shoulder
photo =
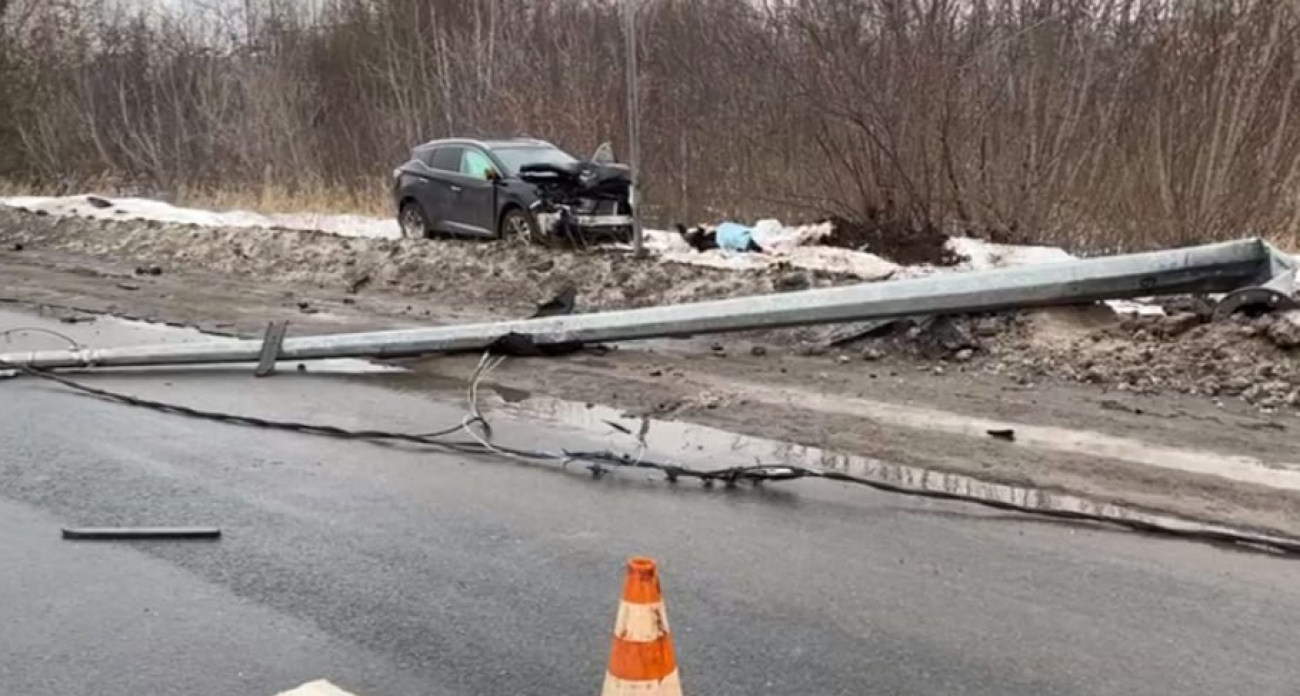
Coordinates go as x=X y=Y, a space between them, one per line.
x=1209 y=457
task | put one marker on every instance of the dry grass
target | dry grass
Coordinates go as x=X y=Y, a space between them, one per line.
x=373 y=201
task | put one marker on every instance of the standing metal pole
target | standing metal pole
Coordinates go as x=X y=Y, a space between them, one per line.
x=633 y=124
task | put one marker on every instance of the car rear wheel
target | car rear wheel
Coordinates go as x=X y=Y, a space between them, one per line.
x=517 y=224
x=411 y=218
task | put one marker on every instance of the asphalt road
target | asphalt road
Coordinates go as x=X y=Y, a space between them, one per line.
x=395 y=571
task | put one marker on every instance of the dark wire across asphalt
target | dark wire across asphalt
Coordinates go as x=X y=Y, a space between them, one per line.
x=599 y=463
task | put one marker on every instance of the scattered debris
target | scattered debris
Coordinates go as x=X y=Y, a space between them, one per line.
x=1113 y=405
x=1284 y=330
x=306 y=308
x=149 y=270
x=1178 y=324
x=97 y=202
x=810 y=350
x=988 y=327
x=758 y=351
x=872 y=354
x=791 y=282
x=1003 y=434
x=892 y=240
x=849 y=333
x=76 y=318
x=941 y=336
x=16 y=246
x=356 y=284
x=128 y=286
x=140 y=533
x=564 y=302
x=621 y=428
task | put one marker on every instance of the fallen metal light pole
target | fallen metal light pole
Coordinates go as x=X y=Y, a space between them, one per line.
x=1214 y=268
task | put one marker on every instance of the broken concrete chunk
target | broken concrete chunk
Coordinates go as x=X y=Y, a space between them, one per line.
x=871 y=354
x=942 y=336
x=1285 y=330
x=988 y=327
x=810 y=350
x=1178 y=324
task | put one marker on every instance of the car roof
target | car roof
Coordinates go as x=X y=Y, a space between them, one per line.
x=491 y=144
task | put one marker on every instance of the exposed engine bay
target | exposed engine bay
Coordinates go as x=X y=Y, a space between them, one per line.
x=581 y=202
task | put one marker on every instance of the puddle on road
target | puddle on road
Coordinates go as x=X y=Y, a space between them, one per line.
x=705 y=447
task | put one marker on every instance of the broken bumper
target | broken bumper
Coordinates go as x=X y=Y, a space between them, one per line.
x=618 y=227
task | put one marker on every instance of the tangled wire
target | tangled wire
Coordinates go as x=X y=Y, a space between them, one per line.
x=481 y=442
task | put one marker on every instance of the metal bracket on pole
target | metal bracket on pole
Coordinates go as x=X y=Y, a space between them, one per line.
x=271 y=343
x=1277 y=295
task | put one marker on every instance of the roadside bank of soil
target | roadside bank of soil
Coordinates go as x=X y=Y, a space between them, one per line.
x=490 y=274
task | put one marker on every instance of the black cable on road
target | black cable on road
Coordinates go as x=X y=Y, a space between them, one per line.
x=601 y=462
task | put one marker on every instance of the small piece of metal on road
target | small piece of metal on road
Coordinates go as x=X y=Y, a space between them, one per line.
x=140 y=533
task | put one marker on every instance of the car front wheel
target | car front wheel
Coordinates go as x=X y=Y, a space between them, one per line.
x=517 y=224
x=411 y=218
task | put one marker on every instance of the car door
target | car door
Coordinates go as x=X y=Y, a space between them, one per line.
x=473 y=194
x=435 y=194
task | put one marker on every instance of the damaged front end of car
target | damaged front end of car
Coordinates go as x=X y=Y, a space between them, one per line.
x=582 y=202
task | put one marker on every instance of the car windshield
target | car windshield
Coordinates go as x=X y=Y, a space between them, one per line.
x=515 y=157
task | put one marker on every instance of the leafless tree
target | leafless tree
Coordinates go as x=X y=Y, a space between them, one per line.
x=1095 y=123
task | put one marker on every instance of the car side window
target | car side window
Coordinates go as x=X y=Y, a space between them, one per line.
x=446 y=159
x=475 y=164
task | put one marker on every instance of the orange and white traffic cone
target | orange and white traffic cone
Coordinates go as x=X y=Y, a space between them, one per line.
x=642 y=662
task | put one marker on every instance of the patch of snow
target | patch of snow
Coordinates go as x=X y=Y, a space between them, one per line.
x=860 y=264
x=776 y=238
x=794 y=247
x=148 y=209
x=665 y=242
x=981 y=255
x=1136 y=308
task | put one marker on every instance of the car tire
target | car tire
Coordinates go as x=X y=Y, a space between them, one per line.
x=517 y=224
x=412 y=221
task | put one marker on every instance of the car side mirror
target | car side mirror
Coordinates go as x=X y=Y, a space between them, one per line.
x=492 y=175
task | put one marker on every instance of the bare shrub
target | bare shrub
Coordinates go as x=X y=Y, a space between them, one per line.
x=1097 y=124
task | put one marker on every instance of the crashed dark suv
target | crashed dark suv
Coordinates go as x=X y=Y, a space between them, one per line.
x=519 y=187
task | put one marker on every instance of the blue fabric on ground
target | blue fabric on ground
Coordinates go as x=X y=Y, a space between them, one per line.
x=734 y=237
